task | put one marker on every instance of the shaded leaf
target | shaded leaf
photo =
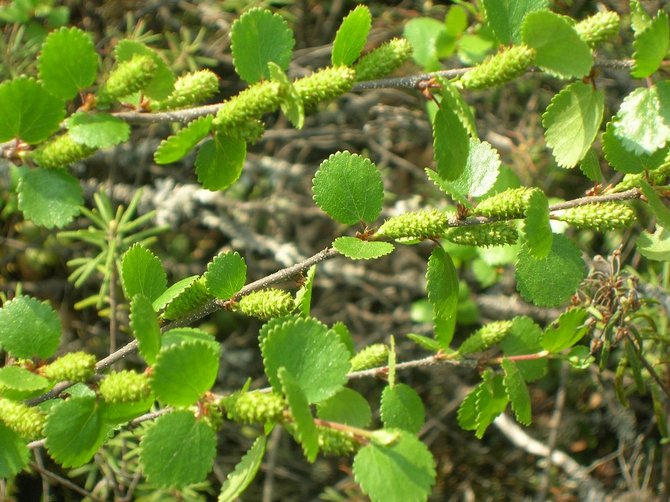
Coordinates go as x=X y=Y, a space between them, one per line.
x=220 y=162
x=162 y=84
x=178 y=145
x=517 y=392
x=29 y=328
x=442 y=290
x=244 y=473
x=402 y=408
x=50 y=197
x=306 y=431
x=651 y=46
x=346 y=407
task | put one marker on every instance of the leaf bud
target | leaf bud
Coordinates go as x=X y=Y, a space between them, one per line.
x=499 y=68
x=125 y=387
x=254 y=407
x=511 y=203
x=190 y=89
x=489 y=234
x=267 y=303
x=27 y=422
x=600 y=216
x=336 y=442
x=485 y=337
x=324 y=85
x=383 y=60
x=61 y=151
x=127 y=78
x=370 y=357
x=423 y=224
x=598 y=28
x=74 y=367
x=249 y=105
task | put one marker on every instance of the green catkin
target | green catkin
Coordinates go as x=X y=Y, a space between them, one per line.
x=370 y=357
x=127 y=78
x=601 y=216
x=192 y=298
x=189 y=90
x=485 y=337
x=499 y=68
x=74 y=367
x=598 y=28
x=324 y=85
x=489 y=234
x=248 y=106
x=61 y=151
x=267 y=303
x=26 y=421
x=423 y=224
x=511 y=203
x=254 y=407
x=335 y=442
x=383 y=60
x=125 y=387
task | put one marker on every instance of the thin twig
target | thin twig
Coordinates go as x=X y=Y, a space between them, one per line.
x=63 y=481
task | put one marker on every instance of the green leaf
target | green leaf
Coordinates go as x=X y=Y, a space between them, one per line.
x=19 y=383
x=29 y=112
x=351 y=36
x=452 y=98
x=357 y=249
x=193 y=297
x=173 y=292
x=550 y=282
x=14 y=454
x=313 y=355
x=49 y=197
x=565 y=331
x=75 y=430
x=97 y=130
x=660 y=210
x=558 y=49
x=244 y=473
x=524 y=337
x=580 y=357
x=442 y=290
x=142 y=273
x=401 y=471
x=423 y=33
x=226 y=275
x=655 y=246
x=178 y=450
x=306 y=431
x=491 y=400
x=639 y=19
x=402 y=408
x=29 y=328
x=162 y=85
x=624 y=160
x=220 y=162
x=257 y=38
x=572 y=121
x=292 y=105
x=651 y=46
x=590 y=167
x=467 y=411
x=68 y=62
x=348 y=188
x=344 y=336
x=184 y=372
x=643 y=120
x=536 y=227
x=451 y=143
x=144 y=323
x=177 y=336
x=505 y=17
x=346 y=407
x=178 y=145
x=517 y=392
x=303 y=298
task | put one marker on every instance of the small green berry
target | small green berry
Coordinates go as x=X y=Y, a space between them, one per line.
x=74 y=367
x=125 y=387
x=190 y=89
x=61 y=151
x=267 y=303
x=598 y=28
x=489 y=234
x=499 y=68
x=383 y=60
x=485 y=337
x=127 y=78
x=423 y=224
x=370 y=357
x=27 y=422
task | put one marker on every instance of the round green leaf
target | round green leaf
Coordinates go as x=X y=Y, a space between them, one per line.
x=643 y=120
x=97 y=130
x=178 y=145
x=178 y=450
x=68 y=62
x=558 y=49
x=550 y=282
x=423 y=33
x=29 y=112
x=142 y=273
x=257 y=38
x=14 y=454
x=144 y=323
x=162 y=84
x=75 y=430
x=356 y=249
x=478 y=176
x=50 y=197
x=20 y=383
x=29 y=328
x=401 y=471
x=349 y=188
x=311 y=353
x=346 y=407
x=651 y=46
x=226 y=275
x=351 y=36
x=220 y=161
x=624 y=160
x=184 y=372
x=402 y=408
x=572 y=121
